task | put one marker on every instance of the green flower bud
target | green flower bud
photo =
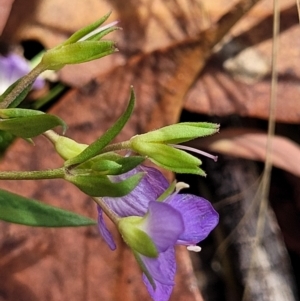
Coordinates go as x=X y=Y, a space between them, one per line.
x=138 y=240
x=68 y=148
x=168 y=157
x=98 y=185
x=77 y=53
x=83 y=46
x=180 y=132
x=110 y=164
x=158 y=145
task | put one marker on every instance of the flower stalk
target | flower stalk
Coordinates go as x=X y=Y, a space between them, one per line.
x=107 y=210
x=23 y=83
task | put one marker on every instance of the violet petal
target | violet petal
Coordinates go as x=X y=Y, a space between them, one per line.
x=13 y=67
x=163 y=268
x=162 y=291
x=152 y=185
x=163 y=224
x=199 y=217
x=105 y=233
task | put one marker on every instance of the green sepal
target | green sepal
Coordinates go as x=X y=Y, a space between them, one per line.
x=118 y=165
x=21 y=96
x=135 y=238
x=95 y=148
x=20 y=210
x=98 y=36
x=105 y=166
x=169 y=158
x=178 y=133
x=85 y=31
x=80 y=52
x=31 y=126
x=127 y=164
x=100 y=186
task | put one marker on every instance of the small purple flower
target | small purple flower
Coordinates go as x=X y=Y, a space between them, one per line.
x=13 y=67
x=182 y=219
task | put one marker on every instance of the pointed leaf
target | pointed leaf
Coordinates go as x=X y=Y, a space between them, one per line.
x=98 y=36
x=86 y=30
x=20 y=210
x=17 y=112
x=95 y=148
x=31 y=126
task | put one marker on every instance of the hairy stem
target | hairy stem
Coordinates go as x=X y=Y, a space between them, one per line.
x=33 y=175
x=111 y=214
x=22 y=85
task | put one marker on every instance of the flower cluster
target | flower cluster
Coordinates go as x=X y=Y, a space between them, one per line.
x=182 y=219
x=151 y=215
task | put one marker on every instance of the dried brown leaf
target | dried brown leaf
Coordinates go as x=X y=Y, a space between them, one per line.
x=242 y=85
x=81 y=266
x=5 y=7
x=251 y=144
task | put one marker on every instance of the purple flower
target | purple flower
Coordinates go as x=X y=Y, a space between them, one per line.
x=13 y=67
x=180 y=219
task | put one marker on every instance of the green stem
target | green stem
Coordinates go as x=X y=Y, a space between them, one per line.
x=22 y=85
x=33 y=175
x=51 y=136
x=110 y=213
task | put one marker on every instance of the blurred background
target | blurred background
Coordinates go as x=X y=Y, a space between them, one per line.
x=188 y=60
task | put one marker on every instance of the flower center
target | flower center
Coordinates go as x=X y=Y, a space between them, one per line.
x=193 y=248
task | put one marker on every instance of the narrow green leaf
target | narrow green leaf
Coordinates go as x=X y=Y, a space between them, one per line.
x=20 y=210
x=18 y=112
x=98 y=36
x=95 y=148
x=31 y=126
x=86 y=30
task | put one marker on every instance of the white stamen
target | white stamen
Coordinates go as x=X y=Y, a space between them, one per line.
x=194 y=248
x=181 y=185
x=97 y=30
x=197 y=151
